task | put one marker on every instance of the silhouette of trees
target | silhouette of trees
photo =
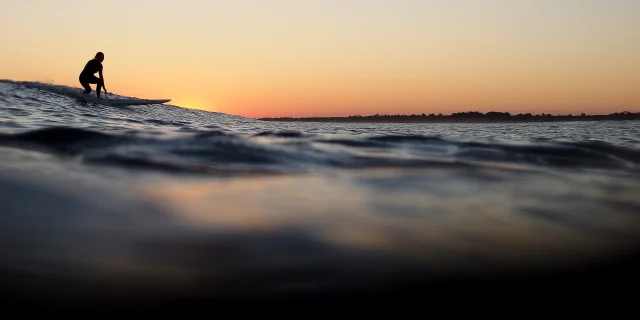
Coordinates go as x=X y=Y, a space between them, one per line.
x=469 y=116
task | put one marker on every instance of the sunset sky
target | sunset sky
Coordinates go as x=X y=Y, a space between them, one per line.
x=271 y=58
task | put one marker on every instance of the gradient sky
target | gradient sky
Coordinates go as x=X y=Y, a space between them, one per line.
x=260 y=58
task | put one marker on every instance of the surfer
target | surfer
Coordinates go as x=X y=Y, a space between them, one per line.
x=87 y=75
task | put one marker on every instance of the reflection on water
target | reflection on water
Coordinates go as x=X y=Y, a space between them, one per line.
x=491 y=218
x=377 y=233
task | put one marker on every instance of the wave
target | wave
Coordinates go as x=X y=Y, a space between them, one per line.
x=218 y=150
x=170 y=138
x=45 y=102
x=57 y=89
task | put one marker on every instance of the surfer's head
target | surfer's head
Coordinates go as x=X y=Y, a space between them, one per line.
x=100 y=56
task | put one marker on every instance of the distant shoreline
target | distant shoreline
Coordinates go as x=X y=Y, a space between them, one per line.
x=465 y=117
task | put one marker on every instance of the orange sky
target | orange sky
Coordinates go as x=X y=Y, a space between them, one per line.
x=336 y=58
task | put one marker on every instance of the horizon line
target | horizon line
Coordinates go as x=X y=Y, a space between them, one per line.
x=467 y=113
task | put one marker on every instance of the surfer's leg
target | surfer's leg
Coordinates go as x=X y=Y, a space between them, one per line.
x=85 y=84
x=98 y=88
x=94 y=79
x=87 y=87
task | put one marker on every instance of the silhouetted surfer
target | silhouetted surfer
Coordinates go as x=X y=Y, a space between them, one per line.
x=87 y=75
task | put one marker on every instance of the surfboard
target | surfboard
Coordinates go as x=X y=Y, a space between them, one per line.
x=122 y=102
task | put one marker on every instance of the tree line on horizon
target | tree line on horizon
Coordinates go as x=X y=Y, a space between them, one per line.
x=464 y=115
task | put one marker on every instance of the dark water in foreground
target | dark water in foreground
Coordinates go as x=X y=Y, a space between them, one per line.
x=161 y=206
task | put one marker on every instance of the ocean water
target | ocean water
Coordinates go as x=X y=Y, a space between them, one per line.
x=122 y=206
